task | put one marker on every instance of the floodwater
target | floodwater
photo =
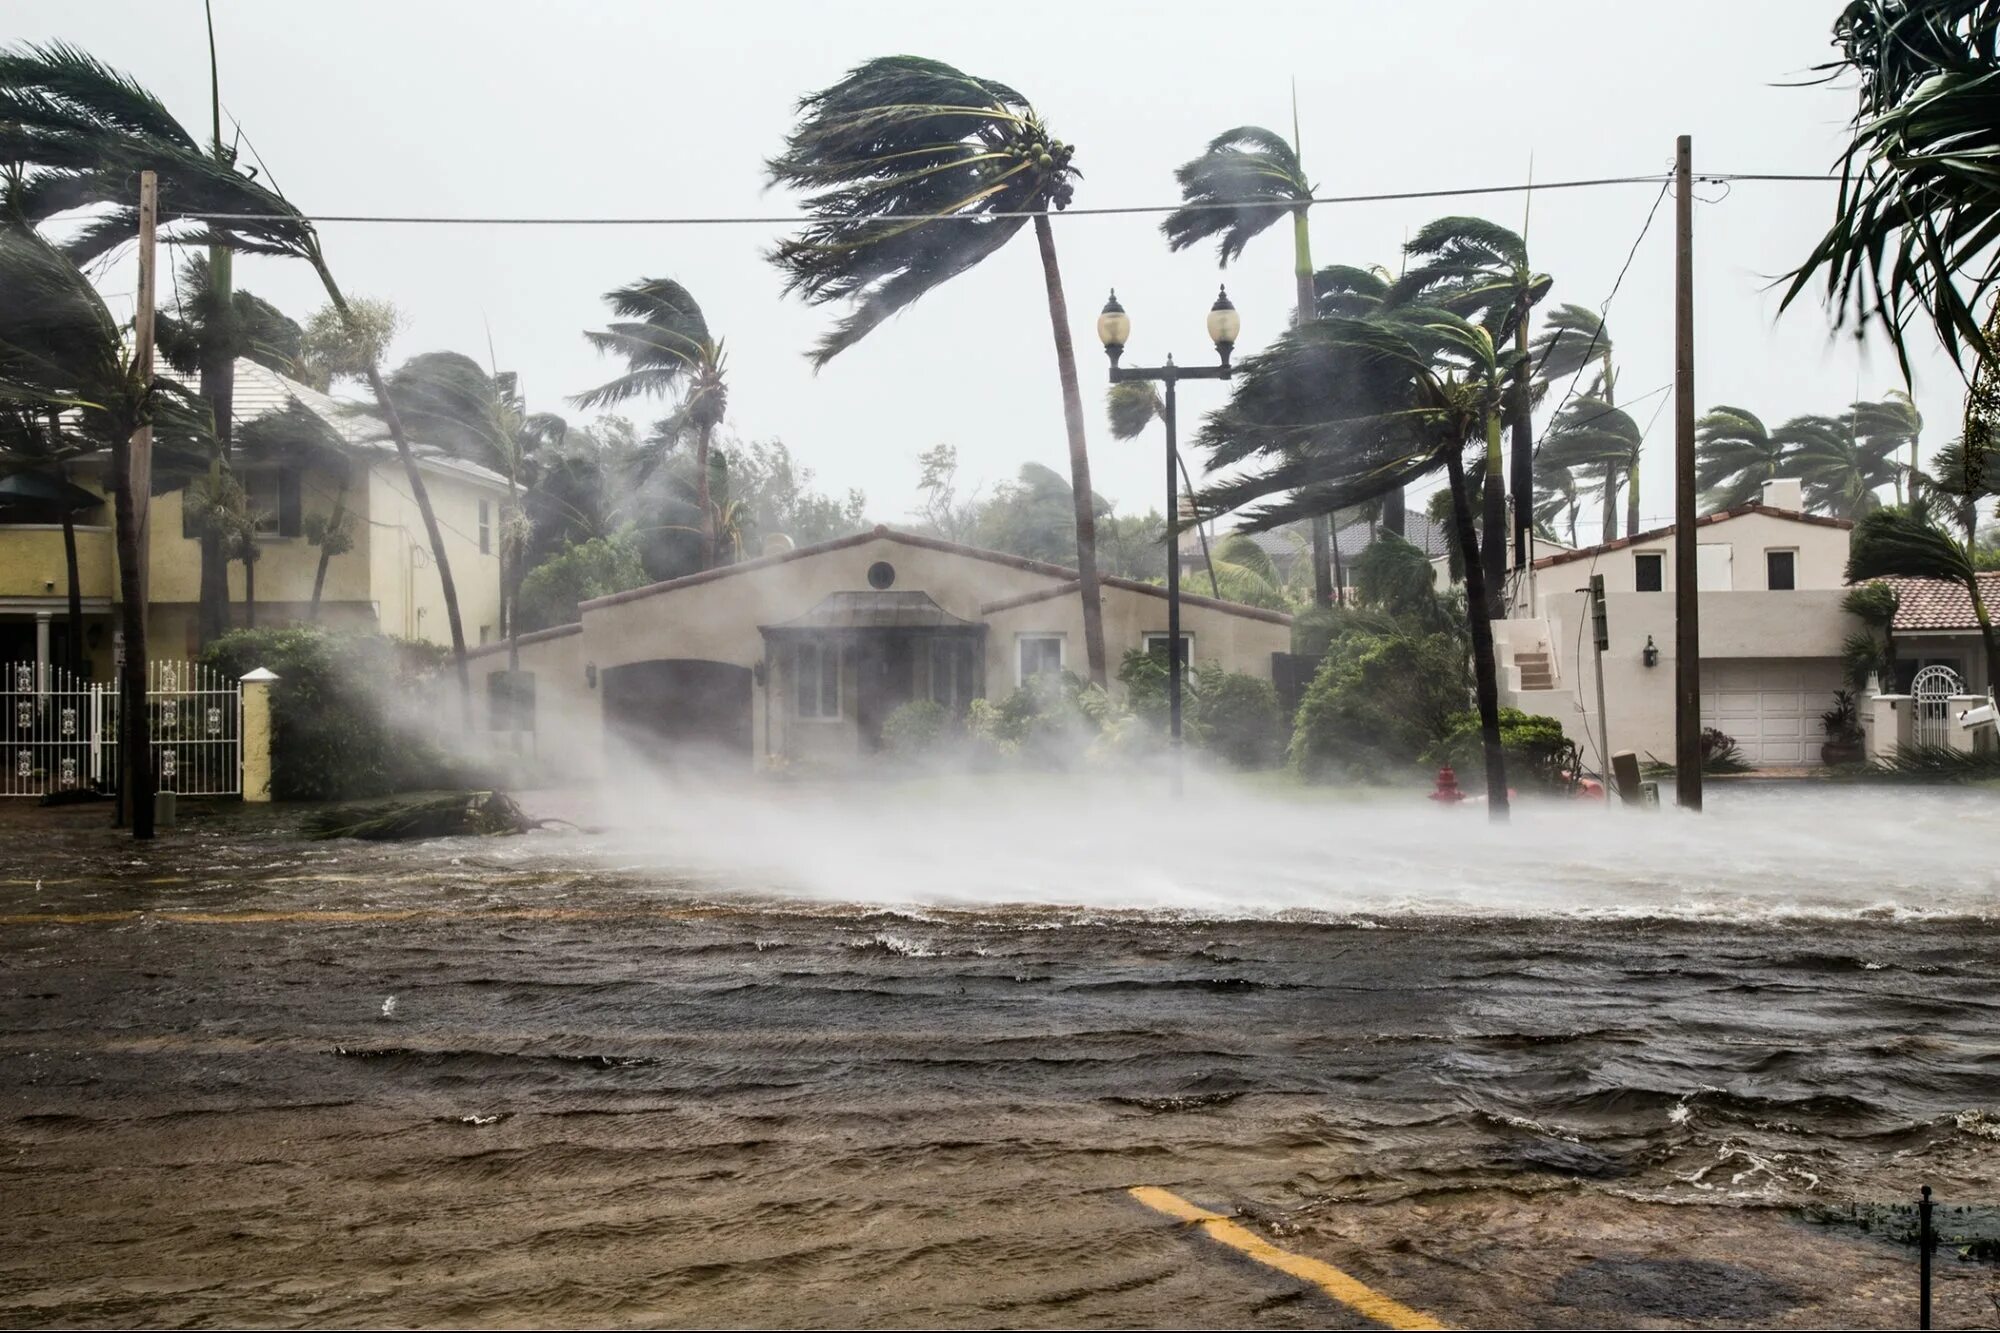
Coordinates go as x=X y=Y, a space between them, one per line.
x=893 y=1055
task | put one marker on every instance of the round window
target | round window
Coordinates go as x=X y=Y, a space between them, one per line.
x=881 y=574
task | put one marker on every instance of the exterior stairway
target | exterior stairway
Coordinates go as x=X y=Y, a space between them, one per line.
x=1536 y=671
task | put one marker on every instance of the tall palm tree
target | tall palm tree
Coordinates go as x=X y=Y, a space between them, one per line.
x=1344 y=289
x=1245 y=180
x=1480 y=270
x=1573 y=339
x=1902 y=542
x=80 y=133
x=1842 y=471
x=1339 y=410
x=1590 y=436
x=670 y=353
x=1889 y=425
x=1736 y=453
x=1916 y=224
x=901 y=139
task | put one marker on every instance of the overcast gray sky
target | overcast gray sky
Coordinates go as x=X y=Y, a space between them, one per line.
x=505 y=107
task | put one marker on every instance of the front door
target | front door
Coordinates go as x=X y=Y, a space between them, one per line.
x=885 y=681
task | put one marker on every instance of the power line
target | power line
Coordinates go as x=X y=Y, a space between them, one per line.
x=795 y=219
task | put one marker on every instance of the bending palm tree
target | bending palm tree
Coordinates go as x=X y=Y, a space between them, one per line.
x=900 y=139
x=1480 y=270
x=1243 y=182
x=1573 y=338
x=1841 y=471
x=1896 y=542
x=1339 y=410
x=1590 y=436
x=1735 y=454
x=668 y=351
x=1342 y=289
x=1890 y=425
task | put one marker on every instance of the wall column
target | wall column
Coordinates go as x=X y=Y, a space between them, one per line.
x=42 y=619
x=257 y=734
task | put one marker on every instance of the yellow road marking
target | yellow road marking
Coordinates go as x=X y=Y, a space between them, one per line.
x=1349 y=1291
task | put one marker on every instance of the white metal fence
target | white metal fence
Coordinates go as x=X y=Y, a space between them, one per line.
x=1931 y=694
x=60 y=730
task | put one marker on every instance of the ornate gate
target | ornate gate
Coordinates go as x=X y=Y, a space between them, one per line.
x=1930 y=701
x=59 y=731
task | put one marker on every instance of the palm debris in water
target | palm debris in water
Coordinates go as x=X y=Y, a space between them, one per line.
x=465 y=814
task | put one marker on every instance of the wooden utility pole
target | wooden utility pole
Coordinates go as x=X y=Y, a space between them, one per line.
x=1687 y=613
x=133 y=481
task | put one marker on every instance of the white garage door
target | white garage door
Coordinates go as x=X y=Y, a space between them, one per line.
x=1770 y=705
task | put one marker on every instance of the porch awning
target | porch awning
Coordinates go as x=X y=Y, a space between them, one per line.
x=875 y=611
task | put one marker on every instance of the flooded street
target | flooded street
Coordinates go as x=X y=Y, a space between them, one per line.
x=598 y=1078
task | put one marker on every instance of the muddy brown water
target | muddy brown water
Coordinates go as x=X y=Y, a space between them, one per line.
x=246 y=1079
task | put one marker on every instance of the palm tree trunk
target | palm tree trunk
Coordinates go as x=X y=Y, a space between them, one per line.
x=249 y=583
x=1610 y=519
x=1632 y=497
x=1393 y=508
x=218 y=388
x=701 y=498
x=1485 y=669
x=1305 y=310
x=1523 y=481
x=1079 y=457
x=73 y=652
x=418 y=492
x=333 y=526
x=1494 y=536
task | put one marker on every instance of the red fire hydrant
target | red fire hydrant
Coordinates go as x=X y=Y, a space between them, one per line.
x=1447 y=787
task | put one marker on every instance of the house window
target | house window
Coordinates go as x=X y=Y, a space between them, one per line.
x=485 y=527
x=952 y=673
x=1649 y=571
x=1156 y=646
x=486 y=634
x=1781 y=570
x=1038 y=655
x=510 y=701
x=816 y=676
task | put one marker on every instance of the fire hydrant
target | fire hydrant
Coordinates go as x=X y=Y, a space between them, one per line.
x=1447 y=787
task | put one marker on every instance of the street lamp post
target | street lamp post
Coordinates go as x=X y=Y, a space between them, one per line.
x=1114 y=326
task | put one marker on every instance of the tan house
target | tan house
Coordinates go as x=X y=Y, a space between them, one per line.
x=388 y=581
x=1770 y=582
x=803 y=654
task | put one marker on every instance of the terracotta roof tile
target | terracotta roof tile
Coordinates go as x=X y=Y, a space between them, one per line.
x=1940 y=604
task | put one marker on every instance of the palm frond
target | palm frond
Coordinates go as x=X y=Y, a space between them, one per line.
x=1245 y=180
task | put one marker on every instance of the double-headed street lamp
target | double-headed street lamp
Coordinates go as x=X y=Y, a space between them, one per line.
x=1114 y=326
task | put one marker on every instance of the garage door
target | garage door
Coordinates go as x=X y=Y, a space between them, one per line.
x=681 y=712
x=1770 y=705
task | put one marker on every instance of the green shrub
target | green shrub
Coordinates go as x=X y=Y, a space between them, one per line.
x=1238 y=718
x=348 y=710
x=1539 y=756
x=1052 y=720
x=1378 y=703
x=553 y=589
x=917 y=729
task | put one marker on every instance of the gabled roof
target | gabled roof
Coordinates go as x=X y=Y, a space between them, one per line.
x=1719 y=516
x=1062 y=580
x=1295 y=539
x=874 y=610
x=1941 y=604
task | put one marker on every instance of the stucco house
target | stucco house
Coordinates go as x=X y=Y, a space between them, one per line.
x=1287 y=546
x=1771 y=579
x=801 y=655
x=388 y=581
x=1935 y=626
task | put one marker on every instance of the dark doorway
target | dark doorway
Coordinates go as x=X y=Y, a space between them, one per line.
x=885 y=680
x=683 y=713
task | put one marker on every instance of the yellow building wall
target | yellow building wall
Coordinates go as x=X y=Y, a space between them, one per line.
x=401 y=570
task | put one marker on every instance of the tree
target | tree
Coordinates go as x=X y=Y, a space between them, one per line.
x=1245 y=180
x=943 y=512
x=1841 y=470
x=1890 y=542
x=1591 y=437
x=776 y=496
x=1889 y=425
x=1735 y=454
x=1134 y=405
x=1916 y=224
x=1344 y=289
x=669 y=353
x=902 y=138
x=1479 y=270
x=596 y=568
x=1339 y=410
x=1573 y=339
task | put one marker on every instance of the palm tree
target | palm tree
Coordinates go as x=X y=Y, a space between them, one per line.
x=1243 y=182
x=1342 y=409
x=668 y=352
x=902 y=139
x=1590 y=436
x=1132 y=406
x=1889 y=425
x=1841 y=470
x=296 y=434
x=1344 y=289
x=1480 y=270
x=1735 y=454
x=1917 y=223
x=1962 y=476
x=1574 y=338
x=80 y=133
x=1891 y=542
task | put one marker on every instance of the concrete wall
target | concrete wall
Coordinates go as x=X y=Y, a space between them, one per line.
x=1821 y=563
x=568 y=739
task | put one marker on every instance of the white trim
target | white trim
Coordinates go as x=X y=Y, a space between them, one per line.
x=6 y=528
x=820 y=647
x=1791 y=551
x=1146 y=638
x=56 y=602
x=1062 y=651
x=1661 y=556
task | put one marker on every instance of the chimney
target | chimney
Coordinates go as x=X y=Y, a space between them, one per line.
x=1784 y=493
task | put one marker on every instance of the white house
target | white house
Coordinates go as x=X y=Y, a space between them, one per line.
x=1770 y=580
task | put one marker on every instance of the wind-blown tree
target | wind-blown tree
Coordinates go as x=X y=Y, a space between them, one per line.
x=1591 y=437
x=901 y=139
x=209 y=328
x=33 y=442
x=669 y=352
x=1905 y=542
x=1344 y=289
x=1573 y=339
x=60 y=350
x=80 y=134
x=1961 y=477
x=1916 y=225
x=1136 y=404
x=1841 y=471
x=1735 y=454
x=297 y=435
x=1480 y=270
x=1339 y=410
x=1558 y=499
x=1245 y=180
x=1891 y=425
